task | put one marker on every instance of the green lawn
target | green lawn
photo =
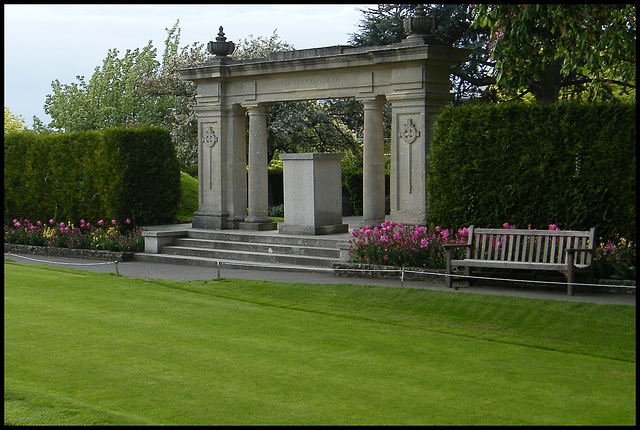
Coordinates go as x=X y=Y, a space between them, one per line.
x=189 y=197
x=89 y=348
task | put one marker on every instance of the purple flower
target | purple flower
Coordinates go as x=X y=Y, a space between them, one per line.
x=113 y=221
x=101 y=222
x=52 y=222
x=553 y=227
x=128 y=221
x=39 y=223
x=384 y=239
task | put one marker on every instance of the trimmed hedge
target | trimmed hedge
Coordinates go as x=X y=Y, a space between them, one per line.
x=568 y=164
x=115 y=173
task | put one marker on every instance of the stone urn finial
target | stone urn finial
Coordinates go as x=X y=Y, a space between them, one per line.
x=420 y=25
x=221 y=48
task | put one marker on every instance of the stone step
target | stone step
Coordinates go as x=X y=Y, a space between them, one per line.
x=263 y=247
x=214 y=262
x=250 y=256
x=329 y=241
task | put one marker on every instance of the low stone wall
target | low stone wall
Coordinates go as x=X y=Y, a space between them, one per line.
x=374 y=271
x=90 y=254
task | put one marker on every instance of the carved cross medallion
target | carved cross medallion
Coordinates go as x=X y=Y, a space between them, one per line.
x=409 y=134
x=209 y=138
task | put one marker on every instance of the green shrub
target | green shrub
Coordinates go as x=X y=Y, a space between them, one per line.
x=119 y=173
x=528 y=164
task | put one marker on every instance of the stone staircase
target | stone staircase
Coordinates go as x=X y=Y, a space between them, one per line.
x=243 y=248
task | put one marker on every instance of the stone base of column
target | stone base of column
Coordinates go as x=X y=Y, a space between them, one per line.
x=313 y=230
x=209 y=221
x=233 y=223
x=258 y=226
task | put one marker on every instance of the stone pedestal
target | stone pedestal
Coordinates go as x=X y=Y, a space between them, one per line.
x=312 y=194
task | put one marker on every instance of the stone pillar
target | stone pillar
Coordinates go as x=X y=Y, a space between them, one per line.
x=258 y=218
x=411 y=134
x=236 y=175
x=373 y=162
x=212 y=164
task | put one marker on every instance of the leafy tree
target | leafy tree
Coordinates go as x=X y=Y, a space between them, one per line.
x=543 y=49
x=134 y=90
x=12 y=122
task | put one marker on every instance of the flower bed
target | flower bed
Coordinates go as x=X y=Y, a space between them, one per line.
x=54 y=235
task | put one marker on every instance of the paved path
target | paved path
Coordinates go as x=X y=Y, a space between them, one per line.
x=178 y=272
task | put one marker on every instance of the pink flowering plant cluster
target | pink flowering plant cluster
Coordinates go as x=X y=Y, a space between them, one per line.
x=415 y=246
x=107 y=235
x=403 y=246
x=615 y=259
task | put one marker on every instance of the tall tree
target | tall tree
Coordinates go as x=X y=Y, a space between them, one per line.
x=547 y=48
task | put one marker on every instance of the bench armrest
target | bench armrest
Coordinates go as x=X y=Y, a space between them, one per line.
x=571 y=252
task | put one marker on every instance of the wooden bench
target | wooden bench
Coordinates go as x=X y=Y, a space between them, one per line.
x=567 y=252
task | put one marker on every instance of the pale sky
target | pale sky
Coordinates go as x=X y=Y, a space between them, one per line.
x=43 y=43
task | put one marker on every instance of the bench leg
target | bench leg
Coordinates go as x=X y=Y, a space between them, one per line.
x=569 y=273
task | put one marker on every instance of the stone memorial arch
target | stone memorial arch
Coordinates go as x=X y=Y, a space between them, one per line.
x=412 y=75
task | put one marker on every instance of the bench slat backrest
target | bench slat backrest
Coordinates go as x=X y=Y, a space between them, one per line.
x=530 y=246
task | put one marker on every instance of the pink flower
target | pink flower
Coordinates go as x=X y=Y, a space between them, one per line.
x=445 y=233
x=464 y=232
x=384 y=239
x=424 y=243
x=51 y=222
x=128 y=221
x=39 y=223
x=398 y=234
x=101 y=222
x=553 y=227
x=355 y=233
x=507 y=226
x=16 y=224
x=61 y=225
x=400 y=224
x=438 y=228
x=113 y=221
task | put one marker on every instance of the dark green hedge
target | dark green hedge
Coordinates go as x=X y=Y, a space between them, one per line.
x=116 y=173
x=568 y=164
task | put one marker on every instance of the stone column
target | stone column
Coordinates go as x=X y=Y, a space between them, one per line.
x=373 y=162
x=258 y=218
x=236 y=174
